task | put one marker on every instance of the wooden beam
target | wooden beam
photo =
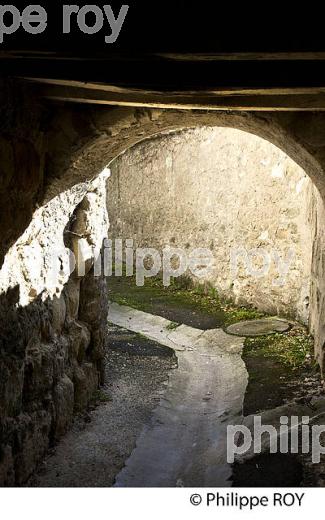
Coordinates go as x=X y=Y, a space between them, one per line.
x=230 y=91
x=192 y=57
x=68 y=91
x=245 y=56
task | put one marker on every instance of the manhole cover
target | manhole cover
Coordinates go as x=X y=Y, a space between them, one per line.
x=260 y=327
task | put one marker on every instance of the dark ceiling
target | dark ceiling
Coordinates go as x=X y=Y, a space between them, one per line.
x=180 y=45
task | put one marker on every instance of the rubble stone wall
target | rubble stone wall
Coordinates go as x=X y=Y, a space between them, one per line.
x=230 y=192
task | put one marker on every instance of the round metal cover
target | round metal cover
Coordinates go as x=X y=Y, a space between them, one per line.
x=260 y=327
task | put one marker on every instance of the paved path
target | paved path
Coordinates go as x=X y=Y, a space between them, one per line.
x=185 y=442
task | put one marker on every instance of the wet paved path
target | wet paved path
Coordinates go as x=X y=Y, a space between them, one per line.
x=163 y=423
x=185 y=442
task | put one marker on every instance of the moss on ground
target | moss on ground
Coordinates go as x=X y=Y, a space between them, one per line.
x=281 y=368
x=172 y=326
x=293 y=349
x=278 y=364
x=181 y=292
x=100 y=397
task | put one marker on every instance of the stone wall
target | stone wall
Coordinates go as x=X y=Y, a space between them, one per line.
x=52 y=327
x=52 y=322
x=228 y=191
x=317 y=300
x=23 y=147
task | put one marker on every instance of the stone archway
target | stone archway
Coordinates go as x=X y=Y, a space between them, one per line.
x=106 y=134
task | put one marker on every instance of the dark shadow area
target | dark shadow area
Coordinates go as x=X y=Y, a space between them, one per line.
x=132 y=344
x=272 y=383
x=269 y=470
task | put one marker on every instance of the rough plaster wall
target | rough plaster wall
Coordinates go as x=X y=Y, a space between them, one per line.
x=317 y=307
x=221 y=189
x=52 y=327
